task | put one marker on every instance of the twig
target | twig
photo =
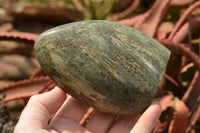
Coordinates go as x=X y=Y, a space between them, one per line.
x=193 y=119
x=87 y=116
x=179 y=48
x=183 y=31
x=182 y=19
x=171 y=80
x=191 y=97
x=23 y=82
x=154 y=16
x=27 y=38
x=36 y=72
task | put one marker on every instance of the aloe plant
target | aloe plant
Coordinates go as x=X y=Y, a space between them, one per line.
x=95 y=9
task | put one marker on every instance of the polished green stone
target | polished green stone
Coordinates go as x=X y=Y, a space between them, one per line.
x=107 y=65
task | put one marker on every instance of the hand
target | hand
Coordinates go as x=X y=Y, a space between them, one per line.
x=68 y=112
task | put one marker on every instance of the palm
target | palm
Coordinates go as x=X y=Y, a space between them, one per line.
x=69 y=113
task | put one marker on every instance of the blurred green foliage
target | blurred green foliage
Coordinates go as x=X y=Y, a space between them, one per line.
x=97 y=9
x=36 y=1
x=92 y=9
x=67 y=1
x=43 y=1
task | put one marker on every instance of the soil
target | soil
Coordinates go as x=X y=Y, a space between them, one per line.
x=7 y=124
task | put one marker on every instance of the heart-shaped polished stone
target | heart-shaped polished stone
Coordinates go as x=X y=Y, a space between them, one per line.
x=110 y=66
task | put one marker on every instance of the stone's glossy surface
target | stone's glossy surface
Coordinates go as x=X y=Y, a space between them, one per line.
x=109 y=66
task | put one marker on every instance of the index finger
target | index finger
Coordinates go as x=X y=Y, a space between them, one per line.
x=148 y=120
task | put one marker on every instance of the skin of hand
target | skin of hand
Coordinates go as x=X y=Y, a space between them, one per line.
x=67 y=112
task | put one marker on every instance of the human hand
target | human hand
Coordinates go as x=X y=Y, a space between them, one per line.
x=36 y=116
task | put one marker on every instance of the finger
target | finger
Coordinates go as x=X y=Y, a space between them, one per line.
x=39 y=109
x=147 y=121
x=100 y=122
x=125 y=124
x=72 y=109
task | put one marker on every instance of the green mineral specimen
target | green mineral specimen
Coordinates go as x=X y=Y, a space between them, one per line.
x=110 y=66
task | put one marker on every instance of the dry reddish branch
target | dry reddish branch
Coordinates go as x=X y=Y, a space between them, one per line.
x=194 y=118
x=179 y=122
x=48 y=86
x=156 y=12
x=192 y=94
x=28 y=38
x=23 y=89
x=164 y=29
x=132 y=21
x=160 y=127
x=37 y=72
x=166 y=103
x=180 y=2
x=179 y=48
x=87 y=116
x=184 y=30
x=171 y=80
x=182 y=19
x=153 y=17
x=177 y=117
